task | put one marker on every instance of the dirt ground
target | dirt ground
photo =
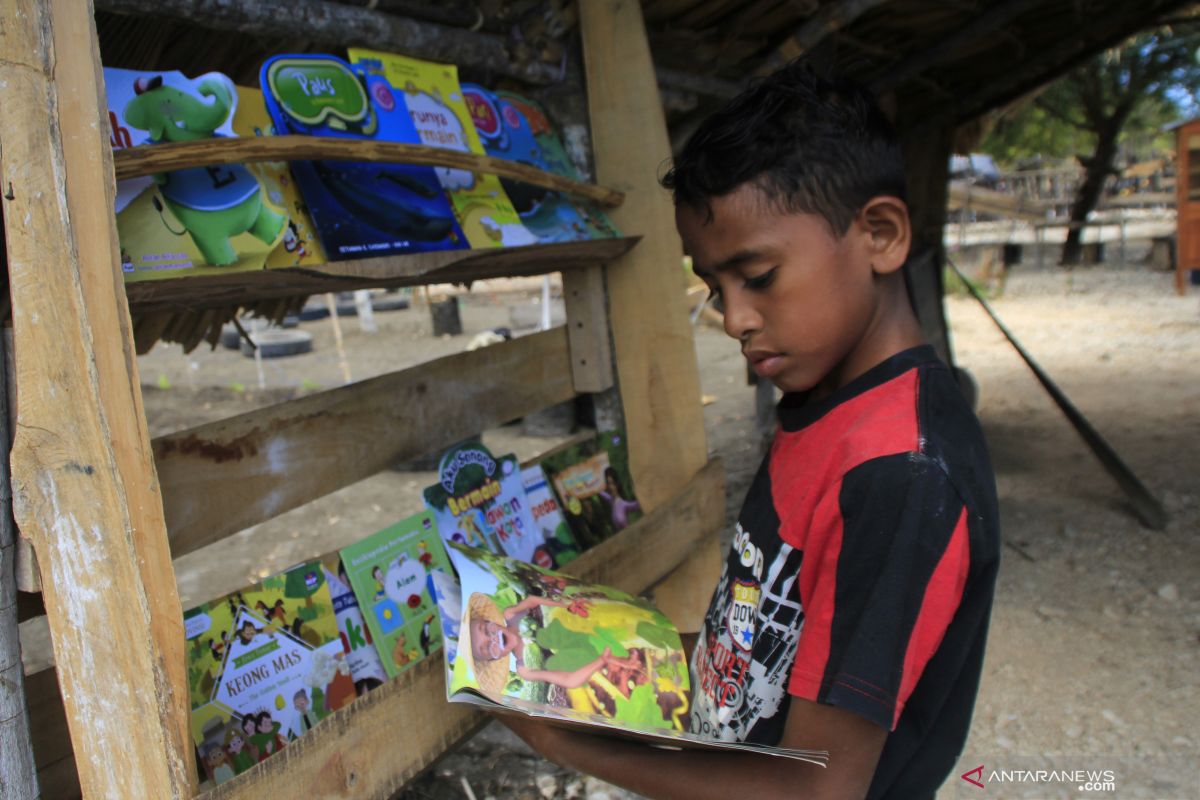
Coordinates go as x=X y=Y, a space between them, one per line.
x=1093 y=655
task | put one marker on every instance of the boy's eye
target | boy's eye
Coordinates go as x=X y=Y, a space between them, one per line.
x=760 y=281
x=714 y=299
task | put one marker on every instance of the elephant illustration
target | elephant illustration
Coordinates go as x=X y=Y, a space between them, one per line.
x=213 y=203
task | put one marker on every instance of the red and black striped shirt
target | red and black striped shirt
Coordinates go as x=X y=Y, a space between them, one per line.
x=861 y=573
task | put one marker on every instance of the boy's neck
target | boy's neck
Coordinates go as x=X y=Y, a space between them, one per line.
x=893 y=329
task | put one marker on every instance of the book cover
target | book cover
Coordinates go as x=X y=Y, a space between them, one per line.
x=266 y=660
x=365 y=666
x=594 y=487
x=435 y=101
x=479 y=500
x=505 y=133
x=199 y=221
x=390 y=573
x=543 y=644
x=300 y=245
x=360 y=209
x=548 y=517
x=555 y=158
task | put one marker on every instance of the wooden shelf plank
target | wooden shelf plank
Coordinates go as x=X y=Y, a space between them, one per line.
x=220 y=478
x=135 y=162
x=444 y=266
x=385 y=738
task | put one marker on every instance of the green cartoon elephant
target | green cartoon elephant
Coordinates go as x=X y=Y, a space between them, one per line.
x=213 y=203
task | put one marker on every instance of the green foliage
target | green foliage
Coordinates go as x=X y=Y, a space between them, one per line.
x=1130 y=92
x=164 y=382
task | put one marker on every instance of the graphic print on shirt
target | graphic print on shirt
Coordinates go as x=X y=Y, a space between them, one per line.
x=746 y=649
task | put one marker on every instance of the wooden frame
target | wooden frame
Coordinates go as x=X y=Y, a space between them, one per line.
x=86 y=477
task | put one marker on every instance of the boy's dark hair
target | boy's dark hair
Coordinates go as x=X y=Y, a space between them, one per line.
x=813 y=145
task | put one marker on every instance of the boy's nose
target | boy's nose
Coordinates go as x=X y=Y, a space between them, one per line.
x=741 y=319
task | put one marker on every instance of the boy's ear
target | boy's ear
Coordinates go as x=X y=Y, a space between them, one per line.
x=885 y=221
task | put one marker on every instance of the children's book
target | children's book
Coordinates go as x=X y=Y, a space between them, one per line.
x=359 y=209
x=594 y=487
x=434 y=99
x=480 y=500
x=199 y=221
x=561 y=546
x=391 y=572
x=300 y=246
x=539 y=643
x=365 y=666
x=505 y=133
x=555 y=159
x=265 y=664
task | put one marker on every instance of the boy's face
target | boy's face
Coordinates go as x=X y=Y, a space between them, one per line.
x=801 y=301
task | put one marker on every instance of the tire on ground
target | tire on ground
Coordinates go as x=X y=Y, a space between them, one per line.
x=278 y=343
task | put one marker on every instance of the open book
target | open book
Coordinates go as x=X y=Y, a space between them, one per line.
x=527 y=640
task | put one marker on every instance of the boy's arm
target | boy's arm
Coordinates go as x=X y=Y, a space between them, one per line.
x=854 y=745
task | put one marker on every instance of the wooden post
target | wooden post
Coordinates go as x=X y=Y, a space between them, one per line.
x=926 y=162
x=652 y=339
x=84 y=485
x=18 y=778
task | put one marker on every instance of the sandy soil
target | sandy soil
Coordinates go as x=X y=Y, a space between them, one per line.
x=1093 y=655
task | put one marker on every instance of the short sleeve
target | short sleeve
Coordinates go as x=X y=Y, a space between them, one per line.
x=880 y=587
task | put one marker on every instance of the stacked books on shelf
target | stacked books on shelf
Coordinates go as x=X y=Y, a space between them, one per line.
x=238 y=218
x=268 y=662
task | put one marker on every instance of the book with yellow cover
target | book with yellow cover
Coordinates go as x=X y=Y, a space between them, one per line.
x=435 y=102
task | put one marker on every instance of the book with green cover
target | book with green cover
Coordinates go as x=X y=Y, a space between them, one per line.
x=543 y=644
x=435 y=102
x=391 y=574
x=265 y=664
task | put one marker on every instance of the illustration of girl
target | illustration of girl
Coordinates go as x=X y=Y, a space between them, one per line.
x=620 y=506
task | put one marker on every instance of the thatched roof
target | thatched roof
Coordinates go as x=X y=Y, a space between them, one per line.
x=944 y=61
x=938 y=63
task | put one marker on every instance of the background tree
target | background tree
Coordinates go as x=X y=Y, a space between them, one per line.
x=1128 y=92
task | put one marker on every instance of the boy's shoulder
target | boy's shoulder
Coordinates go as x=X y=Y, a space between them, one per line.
x=909 y=405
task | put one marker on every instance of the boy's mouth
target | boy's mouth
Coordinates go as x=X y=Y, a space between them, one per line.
x=764 y=362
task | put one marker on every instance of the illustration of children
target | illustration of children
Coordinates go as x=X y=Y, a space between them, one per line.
x=620 y=506
x=249 y=729
x=266 y=737
x=498 y=650
x=240 y=752
x=217 y=761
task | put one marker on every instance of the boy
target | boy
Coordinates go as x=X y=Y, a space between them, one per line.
x=868 y=543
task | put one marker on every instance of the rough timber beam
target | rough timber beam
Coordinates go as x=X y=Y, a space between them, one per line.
x=83 y=480
x=336 y=26
x=831 y=18
x=983 y=26
x=652 y=338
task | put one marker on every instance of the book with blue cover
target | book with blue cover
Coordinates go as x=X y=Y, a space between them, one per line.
x=360 y=209
x=506 y=134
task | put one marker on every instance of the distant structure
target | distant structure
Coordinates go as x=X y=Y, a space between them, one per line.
x=1187 y=203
